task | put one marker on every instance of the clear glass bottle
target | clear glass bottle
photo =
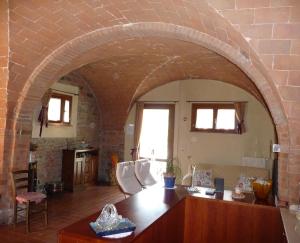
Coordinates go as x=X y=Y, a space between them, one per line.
x=193 y=174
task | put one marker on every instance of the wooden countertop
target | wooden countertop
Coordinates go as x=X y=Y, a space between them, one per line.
x=289 y=223
x=143 y=209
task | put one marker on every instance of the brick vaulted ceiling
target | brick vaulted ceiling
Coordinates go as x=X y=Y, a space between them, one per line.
x=127 y=69
x=44 y=40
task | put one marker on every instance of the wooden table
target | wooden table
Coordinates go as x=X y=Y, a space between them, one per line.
x=163 y=215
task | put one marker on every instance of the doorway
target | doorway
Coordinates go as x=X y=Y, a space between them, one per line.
x=157 y=136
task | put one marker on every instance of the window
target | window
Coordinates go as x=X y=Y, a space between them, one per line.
x=59 y=109
x=156 y=139
x=214 y=117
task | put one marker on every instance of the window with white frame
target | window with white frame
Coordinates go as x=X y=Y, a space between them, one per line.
x=59 y=109
x=214 y=117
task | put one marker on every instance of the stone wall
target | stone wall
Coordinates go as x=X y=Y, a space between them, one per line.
x=49 y=151
x=111 y=142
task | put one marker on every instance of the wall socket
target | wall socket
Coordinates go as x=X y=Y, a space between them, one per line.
x=276 y=148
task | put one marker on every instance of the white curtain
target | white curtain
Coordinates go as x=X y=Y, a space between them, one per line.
x=240 y=113
x=137 y=130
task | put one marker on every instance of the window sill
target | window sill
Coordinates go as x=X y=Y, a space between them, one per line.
x=156 y=159
x=59 y=124
x=214 y=131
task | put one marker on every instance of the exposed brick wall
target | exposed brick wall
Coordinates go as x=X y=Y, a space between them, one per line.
x=82 y=17
x=49 y=151
x=272 y=28
x=4 y=48
x=50 y=39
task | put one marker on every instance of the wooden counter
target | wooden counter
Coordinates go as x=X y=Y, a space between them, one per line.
x=163 y=215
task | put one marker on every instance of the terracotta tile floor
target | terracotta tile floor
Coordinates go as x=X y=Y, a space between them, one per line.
x=63 y=210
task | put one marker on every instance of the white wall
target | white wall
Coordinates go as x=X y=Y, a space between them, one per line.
x=54 y=131
x=192 y=147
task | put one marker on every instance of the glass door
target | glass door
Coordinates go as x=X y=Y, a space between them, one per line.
x=157 y=135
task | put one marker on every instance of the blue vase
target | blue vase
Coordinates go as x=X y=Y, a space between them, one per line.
x=169 y=181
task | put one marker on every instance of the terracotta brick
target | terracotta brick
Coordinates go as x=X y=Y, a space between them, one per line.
x=294 y=188
x=295 y=137
x=254 y=43
x=294 y=78
x=4 y=36
x=261 y=31
x=4 y=55
x=221 y=4
x=286 y=31
x=279 y=3
x=290 y=93
x=295 y=49
x=267 y=60
x=287 y=62
x=3 y=78
x=295 y=15
x=292 y=109
x=294 y=169
x=252 y=4
x=282 y=168
x=26 y=12
x=222 y=34
x=3 y=113
x=244 y=16
x=280 y=77
x=274 y=46
x=3 y=61
x=272 y=15
x=283 y=181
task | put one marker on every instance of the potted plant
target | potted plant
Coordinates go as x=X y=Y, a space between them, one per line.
x=169 y=175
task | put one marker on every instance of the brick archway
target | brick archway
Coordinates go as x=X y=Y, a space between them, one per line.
x=65 y=59
x=61 y=61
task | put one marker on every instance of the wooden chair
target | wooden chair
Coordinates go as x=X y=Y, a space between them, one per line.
x=27 y=202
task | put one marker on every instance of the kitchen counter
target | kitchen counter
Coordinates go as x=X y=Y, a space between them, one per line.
x=177 y=216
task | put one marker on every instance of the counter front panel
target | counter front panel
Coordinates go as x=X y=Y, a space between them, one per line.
x=163 y=215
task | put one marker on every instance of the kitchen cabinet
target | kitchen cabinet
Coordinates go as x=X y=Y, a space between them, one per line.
x=79 y=168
